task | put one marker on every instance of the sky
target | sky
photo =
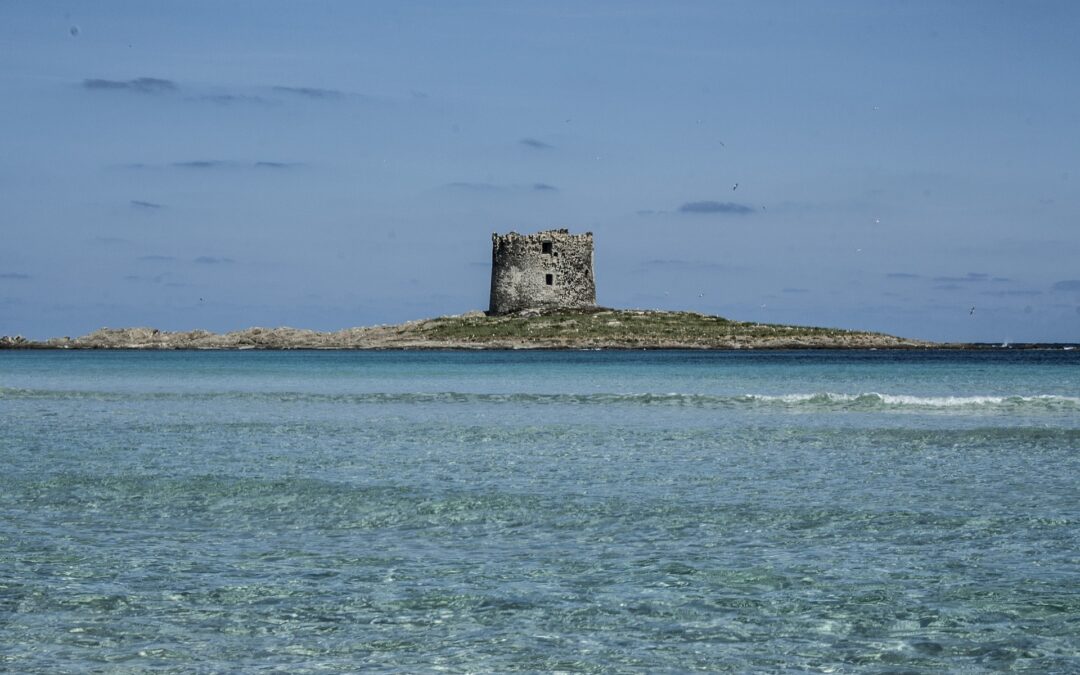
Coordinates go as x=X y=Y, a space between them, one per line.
x=906 y=167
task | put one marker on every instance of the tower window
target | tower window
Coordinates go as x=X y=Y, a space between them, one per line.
x=545 y=247
x=549 y=279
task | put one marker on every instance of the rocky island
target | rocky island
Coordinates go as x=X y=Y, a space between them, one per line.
x=585 y=328
x=543 y=296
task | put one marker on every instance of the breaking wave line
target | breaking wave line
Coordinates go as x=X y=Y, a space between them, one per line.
x=810 y=402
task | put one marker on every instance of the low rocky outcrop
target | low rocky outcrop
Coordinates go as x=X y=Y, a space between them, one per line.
x=593 y=328
x=15 y=342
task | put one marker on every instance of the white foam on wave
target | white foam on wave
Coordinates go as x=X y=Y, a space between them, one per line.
x=912 y=401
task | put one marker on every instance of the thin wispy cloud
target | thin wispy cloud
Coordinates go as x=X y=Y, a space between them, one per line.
x=213 y=260
x=1067 y=285
x=902 y=275
x=731 y=208
x=469 y=185
x=158 y=85
x=1016 y=293
x=140 y=204
x=209 y=164
x=311 y=92
x=971 y=276
x=157 y=258
x=204 y=164
x=232 y=99
x=156 y=279
x=14 y=275
x=536 y=144
x=480 y=186
x=139 y=85
x=795 y=290
x=277 y=165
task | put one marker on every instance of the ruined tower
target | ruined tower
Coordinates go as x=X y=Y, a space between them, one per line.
x=549 y=269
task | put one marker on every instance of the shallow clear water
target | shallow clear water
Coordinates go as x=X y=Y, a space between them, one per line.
x=539 y=511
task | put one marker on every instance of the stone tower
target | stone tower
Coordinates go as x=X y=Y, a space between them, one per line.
x=549 y=269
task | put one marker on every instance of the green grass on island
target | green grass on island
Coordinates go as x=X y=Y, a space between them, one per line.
x=607 y=324
x=639 y=328
x=594 y=328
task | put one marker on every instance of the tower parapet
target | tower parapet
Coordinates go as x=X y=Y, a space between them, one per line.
x=547 y=270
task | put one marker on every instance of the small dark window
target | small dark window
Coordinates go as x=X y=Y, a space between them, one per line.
x=549 y=279
x=546 y=247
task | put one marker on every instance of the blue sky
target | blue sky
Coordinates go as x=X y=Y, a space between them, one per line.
x=221 y=165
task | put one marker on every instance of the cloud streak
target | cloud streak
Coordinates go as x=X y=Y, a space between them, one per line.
x=492 y=187
x=14 y=275
x=704 y=207
x=479 y=187
x=1067 y=285
x=140 y=85
x=203 y=164
x=213 y=260
x=210 y=164
x=231 y=99
x=971 y=276
x=1016 y=293
x=535 y=144
x=139 y=204
x=277 y=165
x=312 y=92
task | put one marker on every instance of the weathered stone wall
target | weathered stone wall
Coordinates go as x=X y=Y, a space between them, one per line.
x=545 y=270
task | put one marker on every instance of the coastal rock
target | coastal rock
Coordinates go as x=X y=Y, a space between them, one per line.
x=599 y=328
x=13 y=342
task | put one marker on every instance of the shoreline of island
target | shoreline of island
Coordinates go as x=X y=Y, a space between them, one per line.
x=582 y=329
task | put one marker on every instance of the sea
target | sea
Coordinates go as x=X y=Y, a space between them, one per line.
x=540 y=511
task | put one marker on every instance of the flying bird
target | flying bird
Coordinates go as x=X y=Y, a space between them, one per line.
x=735 y=186
x=972 y=312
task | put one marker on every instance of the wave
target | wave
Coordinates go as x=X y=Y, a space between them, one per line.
x=874 y=400
x=822 y=401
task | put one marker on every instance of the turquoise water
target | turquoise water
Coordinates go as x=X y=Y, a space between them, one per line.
x=539 y=511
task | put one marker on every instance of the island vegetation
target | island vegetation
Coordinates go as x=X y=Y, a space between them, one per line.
x=593 y=328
